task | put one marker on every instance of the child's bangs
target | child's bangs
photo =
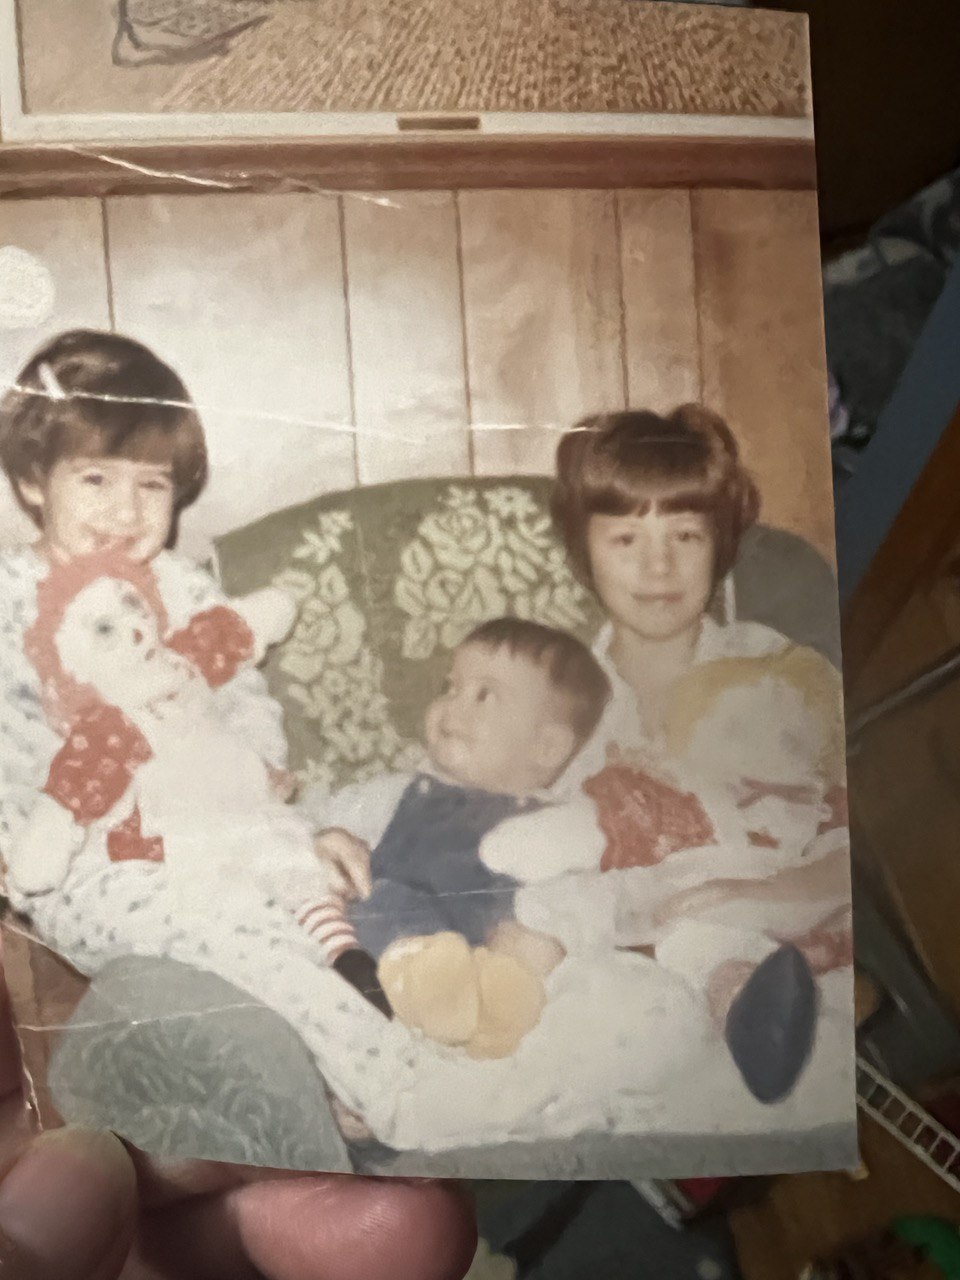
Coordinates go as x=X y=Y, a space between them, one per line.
x=112 y=436
x=150 y=442
x=159 y=439
x=671 y=475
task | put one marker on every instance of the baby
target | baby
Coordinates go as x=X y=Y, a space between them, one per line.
x=519 y=701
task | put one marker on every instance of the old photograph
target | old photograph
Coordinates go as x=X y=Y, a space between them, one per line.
x=423 y=745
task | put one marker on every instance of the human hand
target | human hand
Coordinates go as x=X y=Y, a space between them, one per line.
x=699 y=900
x=39 y=859
x=348 y=861
x=283 y=784
x=77 y=1205
x=270 y=613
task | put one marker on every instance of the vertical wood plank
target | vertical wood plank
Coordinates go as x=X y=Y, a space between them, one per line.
x=762 y=346
x=659 y=299
x=406 y=334
x=66 y=237
x=543 y=319
x=244 y=295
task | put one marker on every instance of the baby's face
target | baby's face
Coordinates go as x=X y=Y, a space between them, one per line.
x=109 y=639
x=498 y=724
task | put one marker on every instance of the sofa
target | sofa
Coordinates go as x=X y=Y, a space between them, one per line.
x=388 y=578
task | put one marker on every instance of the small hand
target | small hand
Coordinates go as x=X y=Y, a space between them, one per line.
x=283 y=784
x=270 y=613
x=700 y=899
x=78 y=1205
x=348 y=860
x=40 y=859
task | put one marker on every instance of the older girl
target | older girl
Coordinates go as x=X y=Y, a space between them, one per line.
x=653 y=510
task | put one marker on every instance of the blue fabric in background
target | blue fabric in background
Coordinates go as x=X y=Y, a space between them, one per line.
x=908 y=430
x=877 y=299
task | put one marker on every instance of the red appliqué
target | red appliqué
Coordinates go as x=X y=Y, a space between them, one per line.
x=644 y=818
x=95 y=766
x=127 y=843
x=218 y=642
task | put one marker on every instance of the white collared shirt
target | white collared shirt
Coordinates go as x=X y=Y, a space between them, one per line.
x=622 y=723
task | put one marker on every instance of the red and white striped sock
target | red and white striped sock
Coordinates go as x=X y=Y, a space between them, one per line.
x=325 y=920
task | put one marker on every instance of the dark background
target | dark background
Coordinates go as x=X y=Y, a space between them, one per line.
x=886 y=81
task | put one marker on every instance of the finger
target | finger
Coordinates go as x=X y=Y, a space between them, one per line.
x=339 y=883
x=316 y=1227
x=356 y=863
x=349 y=863
x=329 y=856
x=165 y=1182
x=343 y=876
x=67 y=1208
x=346 y=1228
x=195 y=1240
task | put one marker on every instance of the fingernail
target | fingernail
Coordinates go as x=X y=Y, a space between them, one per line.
x=67 y=1203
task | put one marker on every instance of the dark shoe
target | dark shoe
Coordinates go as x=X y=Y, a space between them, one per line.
x=360 y=969
x=771 y=1025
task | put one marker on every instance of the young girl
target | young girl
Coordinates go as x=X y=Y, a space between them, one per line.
x=652 y=510
x=103 y=449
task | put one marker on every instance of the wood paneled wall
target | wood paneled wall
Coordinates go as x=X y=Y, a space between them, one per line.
x=337 y=339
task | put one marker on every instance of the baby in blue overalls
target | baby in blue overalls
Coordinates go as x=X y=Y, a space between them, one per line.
x=518 y=703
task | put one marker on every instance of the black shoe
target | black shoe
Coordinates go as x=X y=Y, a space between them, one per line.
x=771 y=1025
x=360 y=969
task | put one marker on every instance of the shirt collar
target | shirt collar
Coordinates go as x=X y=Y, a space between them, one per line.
x=710 y=645
x=429 y=770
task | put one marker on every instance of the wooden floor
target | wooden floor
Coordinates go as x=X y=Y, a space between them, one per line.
x=334 y=340
x=808 y=1217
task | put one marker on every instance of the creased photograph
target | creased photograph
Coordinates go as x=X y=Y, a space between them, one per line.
x=422 y=726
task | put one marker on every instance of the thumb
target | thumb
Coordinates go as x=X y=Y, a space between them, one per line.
x=67 y=1208
x=360 y=870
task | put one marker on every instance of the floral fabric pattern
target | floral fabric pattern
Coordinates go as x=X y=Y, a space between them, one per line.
x=335 y=677
x=389 y=579
x=480 y=555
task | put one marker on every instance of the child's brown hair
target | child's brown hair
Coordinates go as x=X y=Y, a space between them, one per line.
x=571 y=668
x=623 y=463
x=99 y=395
